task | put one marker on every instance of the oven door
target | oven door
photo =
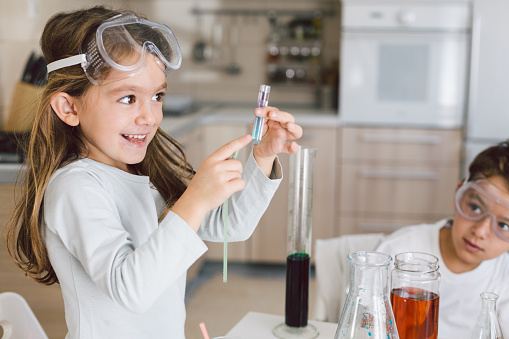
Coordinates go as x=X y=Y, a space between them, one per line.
x=411 y=78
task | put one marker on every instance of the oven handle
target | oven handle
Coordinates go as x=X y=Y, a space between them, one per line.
x=474 y=64
x=373 y=227
x=402 y=139
x=406 y=175
x=377 y=31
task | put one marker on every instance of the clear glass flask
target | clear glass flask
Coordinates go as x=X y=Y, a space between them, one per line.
x=487 y=326
x=367 y=313
x=415 y=295
x=300 y=208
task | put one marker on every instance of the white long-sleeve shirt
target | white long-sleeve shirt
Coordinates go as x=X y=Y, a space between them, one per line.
x=460 y=301
x=122 y=273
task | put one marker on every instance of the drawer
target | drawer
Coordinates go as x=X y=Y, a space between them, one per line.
x=385 y=224
x=406 y=190
x=400 y=146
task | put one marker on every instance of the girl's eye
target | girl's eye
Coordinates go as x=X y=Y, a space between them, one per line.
x=128 y=99
x=475 y=208
x=503 y=226
x=158 y=97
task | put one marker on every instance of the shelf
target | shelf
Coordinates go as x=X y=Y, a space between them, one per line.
x=262 y=12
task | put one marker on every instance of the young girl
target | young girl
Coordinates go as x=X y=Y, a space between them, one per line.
x=110 y=208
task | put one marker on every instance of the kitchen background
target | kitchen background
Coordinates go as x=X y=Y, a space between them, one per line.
x=398 y=96
x=235 y=32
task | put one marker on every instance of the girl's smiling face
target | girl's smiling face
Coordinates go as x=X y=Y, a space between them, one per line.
x=118 y=120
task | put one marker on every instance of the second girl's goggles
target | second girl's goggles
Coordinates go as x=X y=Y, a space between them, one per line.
x=479 y=199
x=123 y=43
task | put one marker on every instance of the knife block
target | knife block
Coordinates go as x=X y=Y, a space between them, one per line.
x=23 y=106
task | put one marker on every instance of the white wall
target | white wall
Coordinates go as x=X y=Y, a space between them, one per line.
x=22 y=21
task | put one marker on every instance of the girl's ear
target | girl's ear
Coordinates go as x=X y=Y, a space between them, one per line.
x=65 y=108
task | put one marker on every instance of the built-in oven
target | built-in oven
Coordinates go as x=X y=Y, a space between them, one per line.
x=404 y=63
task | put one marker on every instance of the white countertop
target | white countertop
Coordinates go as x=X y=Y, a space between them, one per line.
x=9 y=173
x=256 y=325
x=242 y=114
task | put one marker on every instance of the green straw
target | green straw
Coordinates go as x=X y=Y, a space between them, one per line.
x=225 y=233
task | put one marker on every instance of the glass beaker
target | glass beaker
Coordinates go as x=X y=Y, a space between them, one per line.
x=300 y=208
x=415 y=295
x=367 y=313
x=487 y=326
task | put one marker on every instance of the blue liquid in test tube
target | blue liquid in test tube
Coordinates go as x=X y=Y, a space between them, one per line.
x=263 y=101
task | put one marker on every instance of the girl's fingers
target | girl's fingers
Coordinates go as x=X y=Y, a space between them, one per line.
x=280 y=116
x=237 y=184
x=264 y=112
x=294 y=130
x=226 y=151
x=232 y=165
x=292 y=147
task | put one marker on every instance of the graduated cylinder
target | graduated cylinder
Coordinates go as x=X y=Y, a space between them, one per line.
x=300 y=210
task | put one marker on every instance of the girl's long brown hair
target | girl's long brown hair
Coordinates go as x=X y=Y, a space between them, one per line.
x=54 y=144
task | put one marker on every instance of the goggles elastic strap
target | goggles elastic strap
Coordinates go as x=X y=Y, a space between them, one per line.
x=70 y=61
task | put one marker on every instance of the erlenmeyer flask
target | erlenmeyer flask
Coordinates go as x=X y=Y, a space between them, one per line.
x=487 y=326
x=367 y=313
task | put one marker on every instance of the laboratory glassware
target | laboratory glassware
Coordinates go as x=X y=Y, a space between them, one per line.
x=263 y=101
x=415 y=295
x=300 y=207
x=367 y=313
x=487 y=326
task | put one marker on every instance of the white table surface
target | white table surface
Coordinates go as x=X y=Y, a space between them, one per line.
x=256 y=325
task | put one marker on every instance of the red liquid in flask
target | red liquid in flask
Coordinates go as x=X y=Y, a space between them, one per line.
x=415 y=312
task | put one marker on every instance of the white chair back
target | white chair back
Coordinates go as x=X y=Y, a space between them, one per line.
x=333 y=271
x=17 y=319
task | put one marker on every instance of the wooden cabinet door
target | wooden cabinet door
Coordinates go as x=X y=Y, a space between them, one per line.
x=192 y=142
x=390 y=176
x=269 y=242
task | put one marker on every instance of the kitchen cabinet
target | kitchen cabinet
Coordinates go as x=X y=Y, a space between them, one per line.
x=192 y=143
x=268 y=243
x=392 y=177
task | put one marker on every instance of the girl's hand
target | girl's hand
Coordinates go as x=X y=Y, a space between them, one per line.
x=278 y=131
x=217 y=178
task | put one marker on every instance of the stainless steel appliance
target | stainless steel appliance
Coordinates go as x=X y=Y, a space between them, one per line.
x=404 y=63
x=488 y=107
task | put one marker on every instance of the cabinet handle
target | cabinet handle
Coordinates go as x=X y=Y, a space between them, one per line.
x=402 y=139
x=375 y=227
x=409 y=175
x=474 y=66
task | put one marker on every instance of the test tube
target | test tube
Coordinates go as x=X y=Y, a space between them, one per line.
x=263 y=101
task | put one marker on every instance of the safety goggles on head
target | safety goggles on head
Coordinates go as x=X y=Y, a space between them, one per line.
x=123 y=43
x=476 y=200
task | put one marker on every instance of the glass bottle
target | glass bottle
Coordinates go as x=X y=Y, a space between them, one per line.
x=367 y=313
x=300 y=207
x=487 y=326
x=415 y=295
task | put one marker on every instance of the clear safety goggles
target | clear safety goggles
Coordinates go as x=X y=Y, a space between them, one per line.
x=477 y=200
x=123 y=43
